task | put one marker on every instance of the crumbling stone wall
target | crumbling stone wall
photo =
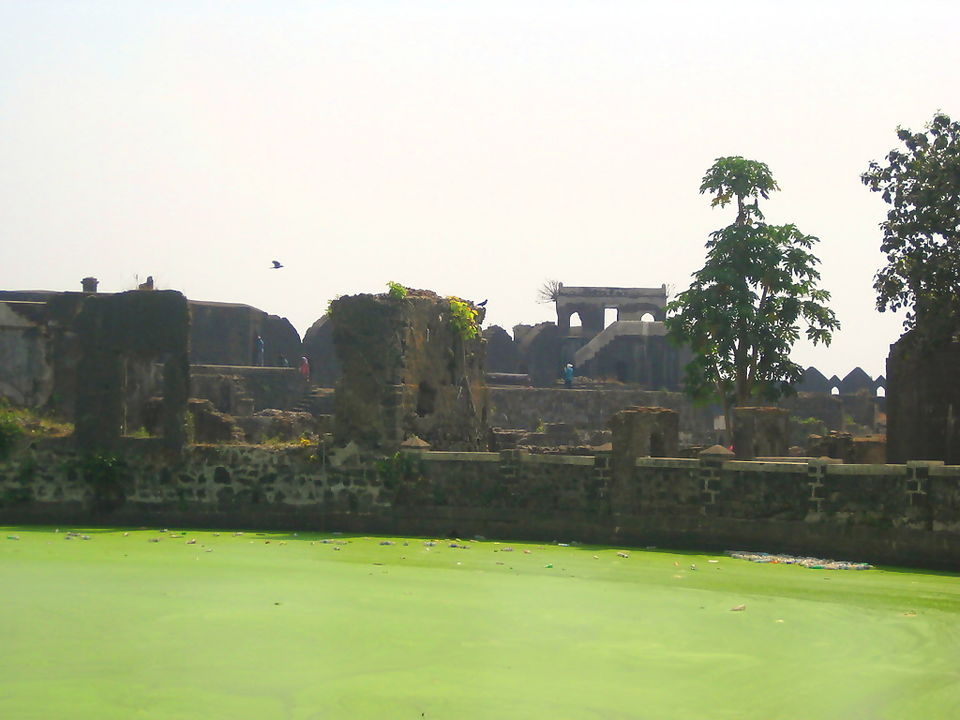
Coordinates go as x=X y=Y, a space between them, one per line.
x=318 y=348
x=923 y=402
x=760 y=432
x=26 y=370
x=502 y=353
x=225 y=334
x=407 y=372
x=896 y=514
x=125 y=334
x=590 y=408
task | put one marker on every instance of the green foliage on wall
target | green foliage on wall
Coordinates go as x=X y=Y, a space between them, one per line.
x=396 y=290
x=463 y=318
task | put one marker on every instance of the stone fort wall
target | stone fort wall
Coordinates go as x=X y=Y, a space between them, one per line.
x=897 y=514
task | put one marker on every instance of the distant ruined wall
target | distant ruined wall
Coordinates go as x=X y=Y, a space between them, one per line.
x=897 y=514
x=26 y=369
x=923 y=402
x=240 y=390
x=225 y=334
x=407 y=372
x=318 y=348
x=592 y=408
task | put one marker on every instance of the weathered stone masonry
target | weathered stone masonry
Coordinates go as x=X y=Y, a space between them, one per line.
x=898 y=514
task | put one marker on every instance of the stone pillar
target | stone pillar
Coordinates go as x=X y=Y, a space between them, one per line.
x=89 y=284
x=711 y=463
x=760 y=432
x=639 y=432
x=645 y=432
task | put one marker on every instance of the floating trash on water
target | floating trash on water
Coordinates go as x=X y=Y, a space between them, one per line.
x=621 y=553
x=738 y=608
x=387 y=542
x=549 y=565
x=13 y=537
x=807 y=562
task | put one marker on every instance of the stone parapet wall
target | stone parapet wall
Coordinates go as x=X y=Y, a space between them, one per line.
x=898 y=514
x=589 y=409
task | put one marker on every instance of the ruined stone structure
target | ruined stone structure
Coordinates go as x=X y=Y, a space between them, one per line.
x=318 y=347
x=225 y=334
x=923 y=402
x=632 y=349
x=407 y=371
x=760 y=432
x=121 y=338
x=502 y=353
x=645 y=432
x=40 y=351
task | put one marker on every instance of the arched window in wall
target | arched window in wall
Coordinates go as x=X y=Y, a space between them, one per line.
x=575 y=320
x=610 y=316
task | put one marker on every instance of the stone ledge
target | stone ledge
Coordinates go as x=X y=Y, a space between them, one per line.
x=452 y=456
x=944 y=470
x=684 y=463
x=868 y=470
x=559 y=459
x=756 y=466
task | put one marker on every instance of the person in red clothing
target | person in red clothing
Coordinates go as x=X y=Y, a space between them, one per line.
x=305 y=368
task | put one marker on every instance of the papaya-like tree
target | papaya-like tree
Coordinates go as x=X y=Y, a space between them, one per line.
x=921 y=235
x=744 y=310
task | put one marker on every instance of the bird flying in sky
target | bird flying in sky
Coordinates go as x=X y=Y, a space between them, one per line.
x=276 y=265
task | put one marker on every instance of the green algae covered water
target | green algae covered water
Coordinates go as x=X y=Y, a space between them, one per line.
x=164 y=625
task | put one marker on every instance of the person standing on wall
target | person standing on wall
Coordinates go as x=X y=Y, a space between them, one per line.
x=568 y=375
x=305 y=368
x=259 y=345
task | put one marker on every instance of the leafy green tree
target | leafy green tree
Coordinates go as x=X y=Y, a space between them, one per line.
x=743 y=311
x=921 y=235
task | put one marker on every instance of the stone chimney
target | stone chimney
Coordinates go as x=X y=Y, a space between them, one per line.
x=89 y=284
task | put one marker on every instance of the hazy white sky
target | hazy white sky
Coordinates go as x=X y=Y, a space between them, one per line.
x=473 y=148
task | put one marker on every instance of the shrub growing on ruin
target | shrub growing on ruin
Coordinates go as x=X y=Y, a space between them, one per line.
x=396 y=290
x=463 y=318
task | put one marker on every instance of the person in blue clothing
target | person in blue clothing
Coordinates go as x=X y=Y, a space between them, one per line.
x=568 y=375
x=259 y=348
